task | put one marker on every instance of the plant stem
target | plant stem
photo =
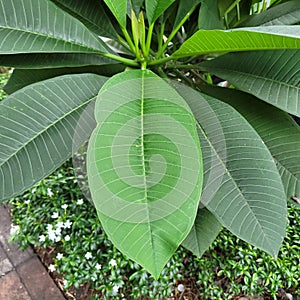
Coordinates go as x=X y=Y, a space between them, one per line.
x=126 y=61
x=160 y=61
x=129 y=41
x=148 y=41
x=187 y=67
x=173 y=33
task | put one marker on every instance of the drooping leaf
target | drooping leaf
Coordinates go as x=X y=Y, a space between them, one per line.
x=91 y=13
x=204 y=231
x=209 y=16
x=52 y=60
x=23 y=77
x=144 y=167
x=37 y=127
x=277 y=129
x=250 y=38
x=37 y=26
x=273 y=76
x=154 y=8
x=184 y=7
x=118 y=9
x=283 y=14
x=242 y=186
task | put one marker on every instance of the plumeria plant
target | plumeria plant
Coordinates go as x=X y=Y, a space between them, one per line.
x=171 y=155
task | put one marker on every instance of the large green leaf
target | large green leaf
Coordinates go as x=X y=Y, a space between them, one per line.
x=37 y=127
x=91 y=13
x=52 y=60
x=144 y=167
x=273 y=76
x=250 y=38
x=154 y=8
x=242 y=186
x=40 y=26
x=118 y=9
x=209 y=16
x=204 y=231
x=277 y=129
x=284 y=14
x=23 y=77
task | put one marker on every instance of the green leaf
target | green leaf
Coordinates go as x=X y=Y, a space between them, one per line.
x=209 y=16
x=242 y=186
x=277 y=129
x=252 y=38
x=37 y=127
x=183 y=8
x=118 y=9
x=284 y=14
x=91 y=13
x=144 y=167
x=272 y=76
x=23 y=77
x=154 y=8
x=40 y=26
x=52 y=60
x=205 y=230
x=136 y=6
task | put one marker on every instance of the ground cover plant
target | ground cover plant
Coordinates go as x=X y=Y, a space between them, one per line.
x=171 y=156
x=66 y=225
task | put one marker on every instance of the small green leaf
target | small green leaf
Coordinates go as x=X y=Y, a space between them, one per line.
x=206 y=228
x=144 y=167
x=251 y=38
x=154 y=8
x=37 y=128
x=242 y=186
x=118 y=9
x=272 y=76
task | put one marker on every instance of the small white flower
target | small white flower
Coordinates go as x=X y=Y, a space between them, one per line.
x=59 y=224
x=65 y=283
x=57 y=239
x=88 y=255
x=14 y=229
x=65 y=206
x=80 y=201
x=59 y=256
x=27 y=201
x=42 y=238
x=55 y=215
x=33 y=191
x=68 y=224
x=67 y=238
x=58 y=231
x=49 y=227
x=49 y=192
x=51 y=268
x=115 y=289
x=93 y=278
x=113 y=262
x=98 y=266
x=51 y=236
x=180 y=288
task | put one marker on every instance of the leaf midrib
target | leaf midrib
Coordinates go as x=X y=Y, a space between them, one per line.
x=54 y=38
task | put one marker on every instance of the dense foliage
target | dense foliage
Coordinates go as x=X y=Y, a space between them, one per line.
x=172 y=157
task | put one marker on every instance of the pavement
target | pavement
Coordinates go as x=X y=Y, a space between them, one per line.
x=22 y=275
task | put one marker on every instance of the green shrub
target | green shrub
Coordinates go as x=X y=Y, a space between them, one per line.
x=55 y=213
